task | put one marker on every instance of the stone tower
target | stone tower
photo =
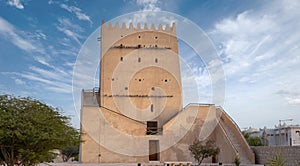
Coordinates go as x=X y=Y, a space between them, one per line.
x=136 y=115
x=140 y=72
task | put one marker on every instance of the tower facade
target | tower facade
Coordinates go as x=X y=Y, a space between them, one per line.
x=140 y=72
x=136 y=115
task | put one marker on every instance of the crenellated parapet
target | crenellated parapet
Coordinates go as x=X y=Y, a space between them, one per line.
x=137 y=36
x=166 y=29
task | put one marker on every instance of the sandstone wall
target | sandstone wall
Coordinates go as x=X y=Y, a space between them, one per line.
x=291 y=154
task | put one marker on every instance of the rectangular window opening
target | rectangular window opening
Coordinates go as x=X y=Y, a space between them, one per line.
x=152 y=128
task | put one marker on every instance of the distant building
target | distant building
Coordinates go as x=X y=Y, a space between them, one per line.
x=137 y=114
x=281 y=135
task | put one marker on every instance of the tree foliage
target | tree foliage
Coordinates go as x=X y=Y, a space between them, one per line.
x=29 y=129
x=69 y=152
x=252 y=141
x=237 y=161
x=202 y=150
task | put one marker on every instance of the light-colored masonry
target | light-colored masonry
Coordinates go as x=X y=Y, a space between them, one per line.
x=137 y=114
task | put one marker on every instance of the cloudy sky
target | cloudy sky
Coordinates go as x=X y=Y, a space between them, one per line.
x=258 y=42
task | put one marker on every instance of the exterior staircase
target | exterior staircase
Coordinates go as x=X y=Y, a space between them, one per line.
x=237 y=140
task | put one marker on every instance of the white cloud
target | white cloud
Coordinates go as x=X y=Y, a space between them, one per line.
x=77 y=11
x=147 y=9
x=246 y=24
x=50 y=2
x=39 y=35
x=55 y=74
x=148 y=12
x=55 y=78
x=261 y=48
x=75 y=36
x=16 y=3
x=247 y=79
x=16 y=37
x=69 y=29
x=19 y=82
x=42 y=60
x=289 y=89
x=254 y=39
x=148 y=5
x=52 y=79
x=65 y=22
x=55 y=86
x=242 y=38
x=294 y=101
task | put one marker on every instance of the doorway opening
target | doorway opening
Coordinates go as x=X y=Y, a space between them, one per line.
x=153 y=150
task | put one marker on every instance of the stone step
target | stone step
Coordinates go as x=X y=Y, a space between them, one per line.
x=236 y=143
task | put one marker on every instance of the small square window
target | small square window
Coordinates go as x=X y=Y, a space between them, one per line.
x=152 y=128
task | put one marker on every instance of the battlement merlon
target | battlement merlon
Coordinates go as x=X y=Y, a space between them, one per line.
x=111 y=34
x=166 y=29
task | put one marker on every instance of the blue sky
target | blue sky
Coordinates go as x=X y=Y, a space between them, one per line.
x=258 y=42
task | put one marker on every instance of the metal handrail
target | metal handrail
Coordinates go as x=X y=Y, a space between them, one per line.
x=226 y=135
x=241 y=136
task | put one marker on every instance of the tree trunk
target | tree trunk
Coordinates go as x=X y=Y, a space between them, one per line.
x=200 y=161
x=5 y=155
x=12 y=156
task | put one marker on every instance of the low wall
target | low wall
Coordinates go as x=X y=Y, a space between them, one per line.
x=291 y=154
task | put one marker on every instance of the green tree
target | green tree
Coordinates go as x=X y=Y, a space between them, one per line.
x=1 y=158
x=237 y=161
x=69 y=152
x=252 y=141
x=202 y=150
x=29 y=129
